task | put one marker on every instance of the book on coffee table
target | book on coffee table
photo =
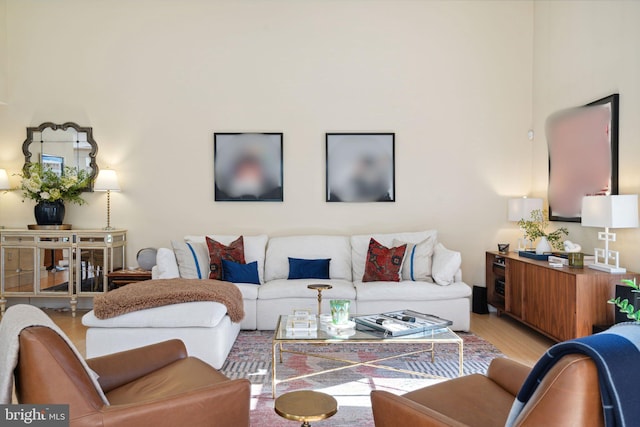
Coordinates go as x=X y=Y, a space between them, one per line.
x=402 y=322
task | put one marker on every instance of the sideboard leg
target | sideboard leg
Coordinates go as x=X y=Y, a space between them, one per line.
x=74 y=305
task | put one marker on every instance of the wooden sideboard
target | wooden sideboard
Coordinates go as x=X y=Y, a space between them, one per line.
x=562 y=303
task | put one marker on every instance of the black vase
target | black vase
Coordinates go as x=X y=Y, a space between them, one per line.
x=49 y=213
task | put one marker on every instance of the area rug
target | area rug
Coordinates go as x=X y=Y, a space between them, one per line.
x=250 y=358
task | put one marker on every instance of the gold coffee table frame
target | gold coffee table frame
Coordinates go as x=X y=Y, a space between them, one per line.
x=322 y=337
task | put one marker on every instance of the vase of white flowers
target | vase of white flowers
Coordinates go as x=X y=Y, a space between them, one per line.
x=51 y=189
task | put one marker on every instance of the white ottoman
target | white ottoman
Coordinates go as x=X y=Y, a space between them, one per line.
x=204 y=327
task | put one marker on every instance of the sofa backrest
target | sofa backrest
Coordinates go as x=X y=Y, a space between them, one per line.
x=280 y=249
x=254 y=247
x=360 y=246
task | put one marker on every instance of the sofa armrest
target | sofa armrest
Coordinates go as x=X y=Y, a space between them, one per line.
x=222 y=404
x=508 y=374
x=390 y=410
x=120 y=368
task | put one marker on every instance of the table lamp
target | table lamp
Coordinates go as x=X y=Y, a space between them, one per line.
x=521 y=208
x=4 y=180
x=619 y=211
x=107 y=180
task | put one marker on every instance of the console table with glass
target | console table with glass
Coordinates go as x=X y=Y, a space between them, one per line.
x=58 y=263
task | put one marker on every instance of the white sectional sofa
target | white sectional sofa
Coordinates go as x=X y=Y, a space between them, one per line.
x=276 y=294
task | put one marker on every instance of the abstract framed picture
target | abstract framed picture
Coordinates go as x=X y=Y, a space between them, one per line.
x=583 y=156
x=248 y=167
x=360 y=167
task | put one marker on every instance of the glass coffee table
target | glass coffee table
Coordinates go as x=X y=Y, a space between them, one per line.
x=361 y=335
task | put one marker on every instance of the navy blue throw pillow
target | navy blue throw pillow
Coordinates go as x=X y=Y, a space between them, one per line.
x=240 y=273
x=309 y=268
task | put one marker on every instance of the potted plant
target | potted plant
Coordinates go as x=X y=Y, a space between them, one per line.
x=534 y=229
x=50 y=190
x=623 y=304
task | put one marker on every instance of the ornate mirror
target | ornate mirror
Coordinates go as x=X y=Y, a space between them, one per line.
x=62 y=145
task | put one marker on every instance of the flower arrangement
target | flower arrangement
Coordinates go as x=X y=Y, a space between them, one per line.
x=623 y=304
x=534 y=229
x=44 y=185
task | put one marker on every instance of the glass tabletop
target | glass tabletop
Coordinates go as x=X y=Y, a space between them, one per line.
x=360 y=333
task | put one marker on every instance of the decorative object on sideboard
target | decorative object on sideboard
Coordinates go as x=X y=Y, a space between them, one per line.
x=503 y=248
x=59 y=145
x=107 y=180
x=534 y=229
x=146 y=258
x=360 y=167
x=520 y=208
x=625 y=305
x=50 y=188
x=583 y=156
x=620 y=211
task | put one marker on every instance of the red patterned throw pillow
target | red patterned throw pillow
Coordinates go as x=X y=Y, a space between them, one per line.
x=217 y=252
x=383 y=264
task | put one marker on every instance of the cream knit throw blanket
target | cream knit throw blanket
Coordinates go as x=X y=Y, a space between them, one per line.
x=15 y=319
x=157 y=293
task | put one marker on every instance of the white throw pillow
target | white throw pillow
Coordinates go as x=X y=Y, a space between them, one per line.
x=167 y=265
x=417 y=260
x=193 y=259
x=446 y=264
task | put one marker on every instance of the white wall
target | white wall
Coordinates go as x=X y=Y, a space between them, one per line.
x=585 y=50
x=156 y=78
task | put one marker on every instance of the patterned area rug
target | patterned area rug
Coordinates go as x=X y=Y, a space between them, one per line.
x=251 y=358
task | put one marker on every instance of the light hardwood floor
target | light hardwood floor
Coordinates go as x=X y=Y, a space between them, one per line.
x=516 y=341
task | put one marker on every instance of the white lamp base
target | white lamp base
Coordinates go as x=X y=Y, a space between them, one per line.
x=612 y=269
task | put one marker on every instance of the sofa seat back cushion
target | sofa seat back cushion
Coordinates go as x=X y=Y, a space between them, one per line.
x=204 y=314
x=280 y=249
x=409 y=291
x=166 y=263
x=284 y=288
x=218 y=252
x=383 y=264
x=254 y=247
x=360 y=246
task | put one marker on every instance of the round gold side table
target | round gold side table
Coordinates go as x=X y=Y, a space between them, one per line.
x=319 y=287
x=306 y=406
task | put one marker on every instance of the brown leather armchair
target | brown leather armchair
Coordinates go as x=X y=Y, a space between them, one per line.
x=568 y=396
x=156 y=385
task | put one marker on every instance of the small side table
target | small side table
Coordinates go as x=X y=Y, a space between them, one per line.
x=306 y=406
x=319 y=287
x=124 y=277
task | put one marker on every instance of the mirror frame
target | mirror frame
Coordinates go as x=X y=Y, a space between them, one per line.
x=88 y=130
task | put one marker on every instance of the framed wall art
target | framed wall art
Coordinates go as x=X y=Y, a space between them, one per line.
x=248 y=167
x=360 y=167
x=583 y=156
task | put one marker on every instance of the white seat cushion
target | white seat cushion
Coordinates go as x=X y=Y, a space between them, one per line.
x=283 y=288
x=280 y=249
x=248 y=290
x=205 y=314
x=360 y=246
x=410 y=291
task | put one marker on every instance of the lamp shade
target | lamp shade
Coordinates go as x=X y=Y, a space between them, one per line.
x=107 y=180
x=4 y=180
x=619 y=211
x=522 y=207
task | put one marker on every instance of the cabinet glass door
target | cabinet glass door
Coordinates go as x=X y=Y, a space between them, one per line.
x=54 y=271
x=19 y=269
